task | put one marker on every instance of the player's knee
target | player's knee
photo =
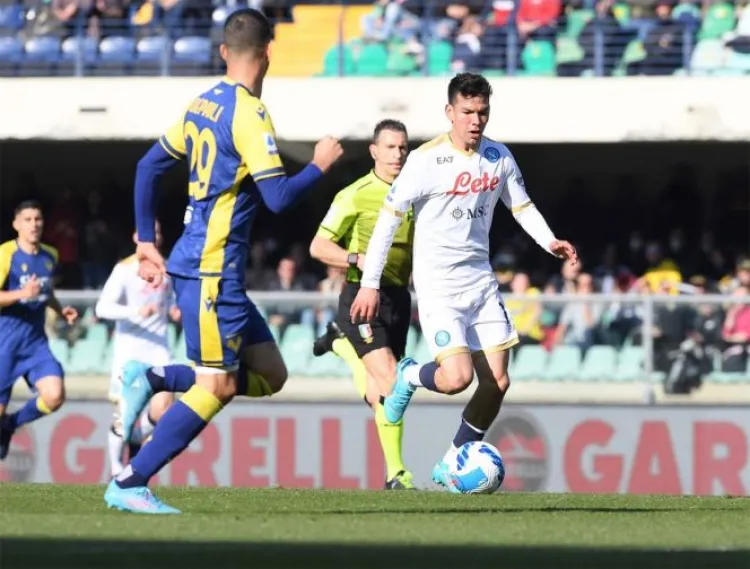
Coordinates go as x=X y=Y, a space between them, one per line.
x=223 y=386
x=503 y=381
x=458 y=380
x=53 y=395
x=159 y=405
x=277 y=378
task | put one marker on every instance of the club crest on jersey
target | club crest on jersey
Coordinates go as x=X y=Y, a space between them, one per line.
x=24 y=267
x=442 y=338
x=261 y=113
x=492 y=154
x=271 y=144
x=49 y=265
x=465 y=183
x=209 y=304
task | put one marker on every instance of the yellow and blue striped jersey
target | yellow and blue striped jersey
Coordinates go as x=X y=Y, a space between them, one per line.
x=16 y=268
x=229 y=140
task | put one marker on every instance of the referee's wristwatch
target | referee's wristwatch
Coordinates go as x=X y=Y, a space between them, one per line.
x=352 y=259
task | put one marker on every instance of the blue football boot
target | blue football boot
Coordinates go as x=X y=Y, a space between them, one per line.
x=441 y=474
x=139 y=500
x=134 y=396
x=396 y=403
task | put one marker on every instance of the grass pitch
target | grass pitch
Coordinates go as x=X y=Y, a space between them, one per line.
x=69 y=526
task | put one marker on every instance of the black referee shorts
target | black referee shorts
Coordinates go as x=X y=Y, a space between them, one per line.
x=388 y=330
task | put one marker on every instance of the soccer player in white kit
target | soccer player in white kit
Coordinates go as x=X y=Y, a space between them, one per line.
x=454 y=183
x=141 y=314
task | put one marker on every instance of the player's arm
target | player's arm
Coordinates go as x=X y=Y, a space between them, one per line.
x=255 y=141
x=110 y=305
x=168 y=151
x=334 y=227
x=67 y=313
x=516 y=199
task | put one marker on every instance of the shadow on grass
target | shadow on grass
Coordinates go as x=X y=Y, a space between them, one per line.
x=85 y=554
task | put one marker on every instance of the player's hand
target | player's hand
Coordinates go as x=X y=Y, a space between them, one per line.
x=361 y=262
x=564 y=250
x=148 y=309
x=365 y=306
x=175 y=314
x=70 y=314
x=32 y=288
x=327 y=151
x=151 y=266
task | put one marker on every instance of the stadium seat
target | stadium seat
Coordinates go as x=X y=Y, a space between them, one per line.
x=439 y=56
x=11 y=54
x=634 y=52
x=220 y=15
x=538 y=58
x=116 y=55
x=399 y=62
x=372 y=60
x=191 y=56
x=739 y=62
x=599 y=364
x=708 y=56
x=529 y=363
x=564 y=364
x=41 y=56
x=568 y=50
x=74 y=48
x=630 y=364
x=333 y=61
x=60 y=349
x=296 y=348
x=327 y=365
x=275 y=332
x=720 y=19
x=179 y=355
x=86 y=357
x=577 y=20
x=684 y=9
x=422 y=352
x=152 y=55
x=621 y=11
x=11 y=18
x=98 y=333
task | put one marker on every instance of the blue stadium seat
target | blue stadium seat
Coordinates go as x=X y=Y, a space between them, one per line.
x=11 y=54
x=75 y=47
x=192 y=55
x=221 y=14
x=41 y=56
x=150 y=55
x=11 y=18
x=116 y=55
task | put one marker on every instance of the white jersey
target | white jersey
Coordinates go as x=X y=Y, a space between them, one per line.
x=136 y=337
x=454 y=194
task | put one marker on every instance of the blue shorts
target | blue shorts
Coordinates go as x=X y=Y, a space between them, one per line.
x=30 y=358
x=218 y=320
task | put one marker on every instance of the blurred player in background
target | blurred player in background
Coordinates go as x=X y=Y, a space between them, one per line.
x=229 y=140
x=371 y=350
x=141 y=313
x=454 y=183
x=27 y=267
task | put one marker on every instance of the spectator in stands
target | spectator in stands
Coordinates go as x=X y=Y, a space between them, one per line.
x=579 y=320
x=63 y=233
x=286 y=280
x=621 y=319
x=467 y=50
x=663 y=44
x=332 y=284
x=660 y=269
x=736 y=333
x=672 y=324
x=709 y=318
x=525 y=313
x=301 y=256
x=602 y=36
x=537 y=20
x=498 y=27
x=390 y=20
x=741 y=277
x=258 y=275
x=609 y=271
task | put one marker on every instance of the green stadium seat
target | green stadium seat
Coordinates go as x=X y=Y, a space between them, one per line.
x=86 y=357
x=171 y=337
x=327 y=365
x=331 y=61
x=577 y=20
x=599 y=364
x=738 y=62
x=708 y=56
x=422 y=352
x=105 y=367
x=179 y=355
x=296 y=348
x=684 y=8
x=564 y=364
x=400 y=63
x=98 y=333
x=61 y=350
x=538 y=58
x=493 y=73
x=622 y=13
x=275 y=332
x=568 y=50
x=720 y=19
x=630 y=364
x=529 y=363
x=439 y=56
x=372 y=61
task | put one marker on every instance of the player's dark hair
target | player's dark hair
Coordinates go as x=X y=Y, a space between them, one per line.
x=27 y=204
x=469 y=85
x=247 y=29
x=388 y=124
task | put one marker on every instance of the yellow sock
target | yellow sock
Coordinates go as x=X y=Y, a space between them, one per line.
x=343 y=348
x=390 y=435
x=257 y=386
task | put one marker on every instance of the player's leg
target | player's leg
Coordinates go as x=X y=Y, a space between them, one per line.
x=8 y=376
x=213 y=332
x=147 y=423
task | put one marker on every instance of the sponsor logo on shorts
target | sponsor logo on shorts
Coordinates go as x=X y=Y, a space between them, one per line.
x=492 y=154
x=524 y=449
x=365 y=332
x=442 y=338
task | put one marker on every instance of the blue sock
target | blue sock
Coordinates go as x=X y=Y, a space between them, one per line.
x=32 y=410
x=176 y=378
x=179 y=426
x=467 y=434
x=427 y=376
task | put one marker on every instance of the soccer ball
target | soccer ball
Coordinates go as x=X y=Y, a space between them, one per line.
x=478 y=469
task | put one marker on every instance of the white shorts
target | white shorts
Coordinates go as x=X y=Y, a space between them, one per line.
x=154 y=355
x=471 y=321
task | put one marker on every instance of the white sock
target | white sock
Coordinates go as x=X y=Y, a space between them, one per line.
x=411 y=375
x=143 y=428
x=115 y=446
x=450 y=456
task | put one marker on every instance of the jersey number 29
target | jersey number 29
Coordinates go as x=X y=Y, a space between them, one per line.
x=202 y=158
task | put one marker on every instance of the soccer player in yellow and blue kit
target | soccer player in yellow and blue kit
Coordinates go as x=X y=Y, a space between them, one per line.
x=26 y=270
x=228 y=138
